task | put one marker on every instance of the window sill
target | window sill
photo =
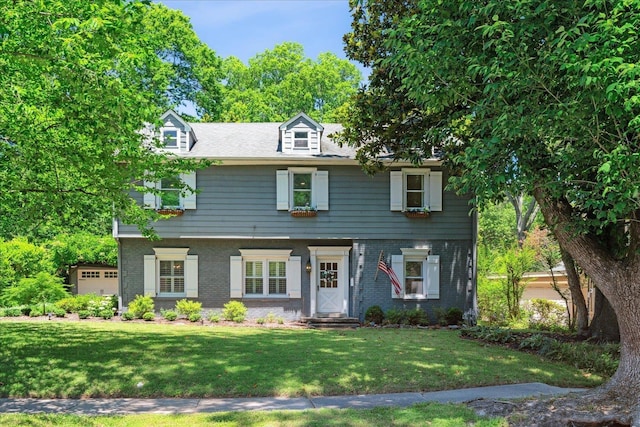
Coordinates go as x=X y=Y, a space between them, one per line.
x=415 y=297
x=170 y=296
x=266 y=298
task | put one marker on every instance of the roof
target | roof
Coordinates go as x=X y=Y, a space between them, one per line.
x=257 y=141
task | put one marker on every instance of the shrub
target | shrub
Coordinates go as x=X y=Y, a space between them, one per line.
x=546 y=315
x=127 y=315
x=68 y=304
x=187 y=308
x=416 y=317
x=140 y=306
x=395 y=316
x=234 y=311
x=106 y=314
x=260 y=321
x=44 y=287
x=149 y=316
x=169 y=315
x=13 y=311
x=453 y=316
x=38 y=310
x=84 y=314
x=58 y=312
x=374 y=314
x=195 y=317
x=214 y=317
x=98 y=304
x=492 y=304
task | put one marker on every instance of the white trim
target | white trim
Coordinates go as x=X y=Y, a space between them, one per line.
x=340 y=254
x=170 y=253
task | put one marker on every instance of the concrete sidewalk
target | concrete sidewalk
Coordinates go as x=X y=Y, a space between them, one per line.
x=192 y=406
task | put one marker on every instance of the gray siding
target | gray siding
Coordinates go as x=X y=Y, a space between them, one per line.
x=371 y=289
x=240 y=202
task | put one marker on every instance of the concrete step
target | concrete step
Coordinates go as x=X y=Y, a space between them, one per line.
x=331 y=322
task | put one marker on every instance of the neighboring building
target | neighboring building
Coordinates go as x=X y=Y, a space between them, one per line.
x=96 y=279
x=540 y=286
x=288 y=223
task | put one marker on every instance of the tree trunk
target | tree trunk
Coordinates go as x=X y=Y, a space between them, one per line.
x=604 y=325
x=577 y=297
x=619 y=281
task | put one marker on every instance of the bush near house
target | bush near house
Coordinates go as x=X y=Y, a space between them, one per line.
x=188 y=308
x=374 y=314
x=234 y=311
x=140 y=306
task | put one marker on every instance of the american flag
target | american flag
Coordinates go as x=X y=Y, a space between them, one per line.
x=382 y=265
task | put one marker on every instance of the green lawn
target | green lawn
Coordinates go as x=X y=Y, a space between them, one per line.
x=113 y=359
x=428 y=414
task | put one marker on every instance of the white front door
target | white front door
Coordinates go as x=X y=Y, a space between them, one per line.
x=330 y=288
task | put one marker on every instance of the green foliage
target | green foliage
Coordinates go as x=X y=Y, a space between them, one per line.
x=12 y=312
x=105 y=314
x=395 y=316
x=38 y=310
x=546 y=315
x=417 y=317
x=127 y=315
x=84 y=314
x=44 y=287
x=214 y=317
x=194 y=317
x=234 y=311
x=492 y=302
x=69 y=304
x=450 y=316
x=513 y=264
x=149 y=316
x=597 y=358
x=140 y=306
x=20 y=259
x=187 y=307
x=279 y=83
x=70 y=249
x=374 y=314
x=169 y=315
x=65 y=85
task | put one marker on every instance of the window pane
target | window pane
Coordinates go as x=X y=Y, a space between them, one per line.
x=277 y=286
x=170 y=138
x=413 y=283
x=302 y=181
x=414 y=200
x=415 y=182
x=165 y=268
x=301 y=140
x=178 y=268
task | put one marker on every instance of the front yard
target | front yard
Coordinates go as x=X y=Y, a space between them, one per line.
x=118 y=359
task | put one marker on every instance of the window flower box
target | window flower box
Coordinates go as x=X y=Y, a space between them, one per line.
x=304 y=212
x=172 y=212
x=417 y=213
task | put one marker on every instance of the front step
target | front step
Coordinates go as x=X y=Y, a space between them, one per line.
x=331 y=322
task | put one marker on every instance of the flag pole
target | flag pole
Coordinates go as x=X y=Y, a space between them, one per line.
x=377 y=264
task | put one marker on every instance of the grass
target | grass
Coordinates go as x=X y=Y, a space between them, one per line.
x=111 y=359
x=428 y=414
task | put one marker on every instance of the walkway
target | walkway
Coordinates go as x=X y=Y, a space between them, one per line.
x=191 y=406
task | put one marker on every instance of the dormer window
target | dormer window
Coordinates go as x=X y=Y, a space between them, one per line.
x=169 y=137
x=300 y=139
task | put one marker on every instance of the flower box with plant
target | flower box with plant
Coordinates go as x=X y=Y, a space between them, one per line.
x=417 y=212
x=170 y=211
x=303 y=211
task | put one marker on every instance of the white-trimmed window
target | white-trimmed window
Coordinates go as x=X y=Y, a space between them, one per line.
x=416 y=189
x=170 y=137
x=301 y=139
x=167 y=194
x=302 y=188
x=265 y=273
x=171 y=272
x=418 y=272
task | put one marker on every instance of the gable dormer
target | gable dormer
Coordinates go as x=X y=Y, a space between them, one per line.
x=176 y=133
x=301 y=135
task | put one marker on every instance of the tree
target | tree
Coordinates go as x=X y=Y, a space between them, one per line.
x=542 y=94
x=279 y=83
x=78 y=82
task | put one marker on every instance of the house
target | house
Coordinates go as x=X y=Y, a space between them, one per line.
x=96 y=279
x=288 y=223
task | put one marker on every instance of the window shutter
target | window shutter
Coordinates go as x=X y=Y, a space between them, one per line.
x=235 y=277
x=397 y=264
x=149 y=199
x=191 y=276
x=189 y=201
x=282 y=190
x=150 y=275
x=294 y=277
x=435 y=191
x=321 y=190
x=395 y=192
x=433 y=277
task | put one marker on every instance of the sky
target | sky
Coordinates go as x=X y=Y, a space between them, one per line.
x=244 y=28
